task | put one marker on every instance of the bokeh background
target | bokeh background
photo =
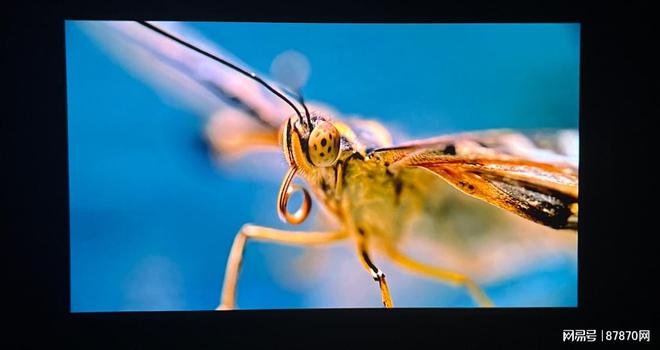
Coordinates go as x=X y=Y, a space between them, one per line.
x=152 y=217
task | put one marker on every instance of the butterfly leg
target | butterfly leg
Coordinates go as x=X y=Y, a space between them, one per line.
x=375 y=272
x=444 y=275
x=252 y=232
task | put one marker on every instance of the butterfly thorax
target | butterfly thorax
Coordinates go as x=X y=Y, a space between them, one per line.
x=322 y=148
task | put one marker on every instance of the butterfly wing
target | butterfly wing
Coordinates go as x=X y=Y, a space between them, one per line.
x=534 y=175
x=186 y=76
x=248 y=114
x=242 y=115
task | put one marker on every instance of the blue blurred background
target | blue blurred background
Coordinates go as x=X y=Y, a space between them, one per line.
x=152 y=219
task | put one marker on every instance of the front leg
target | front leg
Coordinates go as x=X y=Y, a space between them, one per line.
x=376 y=273
x=228 y=298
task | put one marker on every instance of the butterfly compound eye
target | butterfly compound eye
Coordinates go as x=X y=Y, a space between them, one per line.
x=323 y=145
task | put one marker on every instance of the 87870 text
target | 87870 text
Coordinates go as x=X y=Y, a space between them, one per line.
x=591 y=335
x=636 y=335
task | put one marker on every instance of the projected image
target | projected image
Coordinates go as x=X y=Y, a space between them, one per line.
x=222 y=166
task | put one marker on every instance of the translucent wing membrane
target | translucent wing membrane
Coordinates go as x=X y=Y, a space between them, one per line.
x=533 y=175
x=241 y=114
x=200 y=83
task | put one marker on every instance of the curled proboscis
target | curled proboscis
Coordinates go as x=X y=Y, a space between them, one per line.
x=286 y=190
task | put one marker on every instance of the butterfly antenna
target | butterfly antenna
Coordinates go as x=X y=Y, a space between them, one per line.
x=299 y=95
x=230 y=65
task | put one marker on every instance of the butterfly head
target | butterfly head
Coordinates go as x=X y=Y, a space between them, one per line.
x=314 y=143
x=313 y=147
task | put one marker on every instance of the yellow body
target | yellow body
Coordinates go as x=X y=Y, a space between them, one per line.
x=389 y=206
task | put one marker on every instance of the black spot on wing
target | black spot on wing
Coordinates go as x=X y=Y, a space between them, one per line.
x=450 y=149
x=544 y=206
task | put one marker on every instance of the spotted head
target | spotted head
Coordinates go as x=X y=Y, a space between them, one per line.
x=312 y=145
x=323 y=144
